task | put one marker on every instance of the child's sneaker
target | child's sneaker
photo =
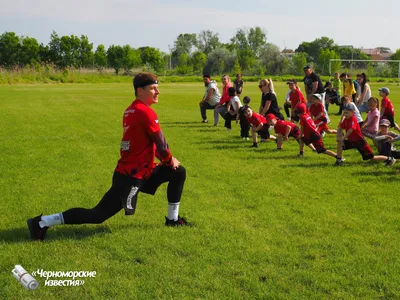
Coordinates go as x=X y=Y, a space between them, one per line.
x=300 y=155
x=390 y=161
x=180 y=222
x=255 y=145
x=204 y=121
x=339 y=162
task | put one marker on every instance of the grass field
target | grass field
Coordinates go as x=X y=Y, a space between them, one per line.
x=265 y=224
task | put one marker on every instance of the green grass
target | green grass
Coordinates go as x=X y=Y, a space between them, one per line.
x=265 y=224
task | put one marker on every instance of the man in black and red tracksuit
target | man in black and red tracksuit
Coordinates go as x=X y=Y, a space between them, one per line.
x=136 y=171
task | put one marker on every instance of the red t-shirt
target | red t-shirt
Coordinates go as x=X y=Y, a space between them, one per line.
x=387 y=104
x=281 y=126
x=137 y=148
x=315 y=110
x=296 y=97
x=225 y=96
x=256 y=119
x=352 y=123
x=308 y=125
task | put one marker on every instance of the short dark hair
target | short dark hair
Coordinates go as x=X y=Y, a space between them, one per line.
x=246 y=99
x=343 y=75
x=143 y=79
x=206 y=75
x=231 y=91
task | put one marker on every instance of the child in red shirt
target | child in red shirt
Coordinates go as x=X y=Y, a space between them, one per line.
x=309 y=133
x=284 y=129
x=259 y=126
x=317 y=113
x=295 y=97
x=355 y=139
x=387 y=110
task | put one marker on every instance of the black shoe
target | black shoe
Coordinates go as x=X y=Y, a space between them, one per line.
x=204 y=121
x=338 y=163
x=37 y=233
x=300 y=155
x=390 y=161
x=255 y=145
x=180 y=222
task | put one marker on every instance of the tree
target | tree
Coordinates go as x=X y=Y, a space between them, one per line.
x=395 y=67
x=207 y=41
x=220 y=60
x=355 y=53
x=239 y=41
x=152 y=57
x=115 y=55
x=85 y=53
x=54 y=49
x=199 y=60
x=272 y=60
x=247 y=59
x=314 y=48
x=384 y=49
x=323 y=61
x=100 y=57
x=184 y=66
x=257 y=39
x=299 y=60
x=185 y=43
x=130 y=58
x=44 y=54
x=9 y=50
x=29 y=52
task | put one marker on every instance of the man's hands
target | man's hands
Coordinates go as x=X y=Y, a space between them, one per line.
x=175 y=163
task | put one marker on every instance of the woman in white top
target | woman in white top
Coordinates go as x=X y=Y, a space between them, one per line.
x=364 y=91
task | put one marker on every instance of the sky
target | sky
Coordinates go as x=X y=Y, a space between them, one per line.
x=157 y=23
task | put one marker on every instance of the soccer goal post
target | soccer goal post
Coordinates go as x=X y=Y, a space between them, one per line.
x=365 y=60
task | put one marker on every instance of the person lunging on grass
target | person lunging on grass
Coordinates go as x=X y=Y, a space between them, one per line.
x=135 y=172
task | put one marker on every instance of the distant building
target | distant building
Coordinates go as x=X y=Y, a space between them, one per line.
x=288 y=53
x=376 y=54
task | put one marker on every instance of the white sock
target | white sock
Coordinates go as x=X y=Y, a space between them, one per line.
x=51 y=220
x=173 y=211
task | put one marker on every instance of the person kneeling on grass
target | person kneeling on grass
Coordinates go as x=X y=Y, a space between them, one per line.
x=309 y=134
x=384 y=140
x=354 y=139
x=232 y=108
x=284 y=130
x=258 y=125
x=317 y=113
x=136 y=172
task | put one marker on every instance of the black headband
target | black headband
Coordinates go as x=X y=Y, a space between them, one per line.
x=146 y=82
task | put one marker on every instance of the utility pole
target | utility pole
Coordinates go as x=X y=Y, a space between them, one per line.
x=170 y=57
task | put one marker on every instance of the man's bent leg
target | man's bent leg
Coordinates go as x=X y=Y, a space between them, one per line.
x=176 y=180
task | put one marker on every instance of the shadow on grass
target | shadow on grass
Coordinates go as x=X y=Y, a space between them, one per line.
x=75 y=232
x=389 y=174
x=22 y=235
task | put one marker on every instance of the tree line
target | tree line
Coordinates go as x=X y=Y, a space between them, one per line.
x=248 y=52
